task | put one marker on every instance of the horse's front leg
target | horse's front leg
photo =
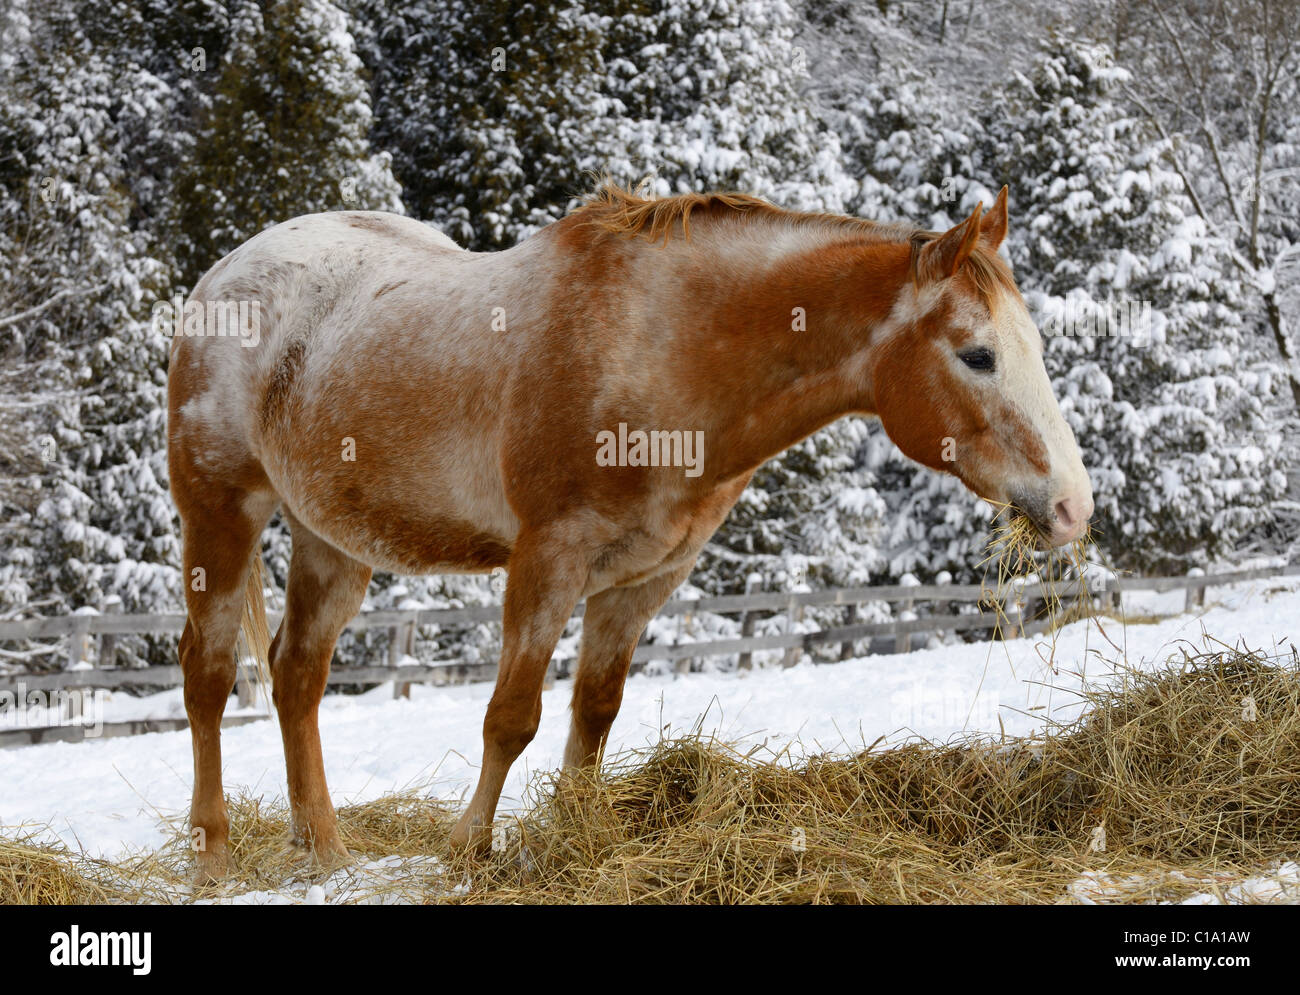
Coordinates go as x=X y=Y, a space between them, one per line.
x=546 y=580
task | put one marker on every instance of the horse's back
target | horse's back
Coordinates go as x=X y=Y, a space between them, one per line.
x=294 y=279
x=312 y=239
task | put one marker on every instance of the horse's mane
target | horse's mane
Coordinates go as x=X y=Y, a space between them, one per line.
x=623 y=212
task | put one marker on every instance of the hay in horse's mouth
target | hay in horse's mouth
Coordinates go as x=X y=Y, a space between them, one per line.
x=1030 y=520
x=1039 y=534
x=1016 y=537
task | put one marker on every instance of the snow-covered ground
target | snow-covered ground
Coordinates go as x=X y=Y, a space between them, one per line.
x=110 y=796
x=1279 y=885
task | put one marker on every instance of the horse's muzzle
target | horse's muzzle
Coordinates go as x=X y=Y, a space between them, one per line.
x=1058 y=519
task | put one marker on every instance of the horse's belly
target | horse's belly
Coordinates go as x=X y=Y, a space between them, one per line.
x=413 y=538
x=424 y=509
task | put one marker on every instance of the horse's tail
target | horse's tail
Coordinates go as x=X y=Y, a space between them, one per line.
x=255 y=635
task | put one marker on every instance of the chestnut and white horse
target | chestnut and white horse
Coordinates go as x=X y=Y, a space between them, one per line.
x=415 y=407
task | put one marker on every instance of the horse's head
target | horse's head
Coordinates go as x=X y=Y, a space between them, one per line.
x=959 y=381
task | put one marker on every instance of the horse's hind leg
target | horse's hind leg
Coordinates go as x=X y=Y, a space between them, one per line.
x=221 y=529
x=611 y=626
x=326 y=587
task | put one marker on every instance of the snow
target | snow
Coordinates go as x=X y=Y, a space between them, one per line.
x=1281 y=883
x=784 y=100
x=112 y=796
x=1275 y=885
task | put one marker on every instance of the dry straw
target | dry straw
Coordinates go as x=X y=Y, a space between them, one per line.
x=1016 y=553
x=1173 y=768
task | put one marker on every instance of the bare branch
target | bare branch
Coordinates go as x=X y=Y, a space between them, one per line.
x=32 y=312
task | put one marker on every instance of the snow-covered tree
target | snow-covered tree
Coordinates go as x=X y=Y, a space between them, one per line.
x=1220 y=82
x=86 y=514
x=489 y=109
x=713 y=95
x=142 y=139
x=1167 y=401
x=284 y=131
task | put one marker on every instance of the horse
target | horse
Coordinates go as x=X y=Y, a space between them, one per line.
x=412 y=406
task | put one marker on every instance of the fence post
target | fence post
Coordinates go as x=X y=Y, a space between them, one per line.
x=846 y=647
x=682 y=665
x=793 y=614
x=903 y=641
x=394 y=654
x=106 y=655
x=1195 y=594
x=246 y=683
x=246 y=679
x=401 y=642
x=747 y=623
x=245 y=687
x=1018 y=620
x=78 y=641
x=746 y=661
x=78 y=650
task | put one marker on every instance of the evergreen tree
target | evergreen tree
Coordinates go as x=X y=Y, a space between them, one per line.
x=488 y=107
x=1167 y=408
x=98 y=223
x=86 y=514
x=140 y=140
x=285 y=131
x=713 y=95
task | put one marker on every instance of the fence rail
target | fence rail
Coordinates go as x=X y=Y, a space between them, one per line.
x=105 y=628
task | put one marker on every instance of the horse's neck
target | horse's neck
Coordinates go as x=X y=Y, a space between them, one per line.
x=796 y=340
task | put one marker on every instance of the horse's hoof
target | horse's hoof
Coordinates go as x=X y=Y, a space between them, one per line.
x=323 y=855
x=211 y=868
x=332 y=856
x=470 y=837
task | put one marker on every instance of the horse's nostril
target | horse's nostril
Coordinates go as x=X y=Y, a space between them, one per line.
x=1063 y=514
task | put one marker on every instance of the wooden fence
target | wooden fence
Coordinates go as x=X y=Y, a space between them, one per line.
x=93 y=635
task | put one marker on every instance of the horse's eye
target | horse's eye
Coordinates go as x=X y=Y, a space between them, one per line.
x=978 y=359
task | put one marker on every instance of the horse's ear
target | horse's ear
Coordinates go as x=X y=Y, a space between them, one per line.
x=993 y=226
x=942 y=257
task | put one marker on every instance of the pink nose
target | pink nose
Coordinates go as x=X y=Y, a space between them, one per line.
x=1072 y=515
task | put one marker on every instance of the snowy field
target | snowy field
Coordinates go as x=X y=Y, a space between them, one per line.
x=111 y=796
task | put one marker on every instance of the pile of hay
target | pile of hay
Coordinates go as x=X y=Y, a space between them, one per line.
x=403 y=829
x=1170 y=766
x=1192 y=774
x=34 y=873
